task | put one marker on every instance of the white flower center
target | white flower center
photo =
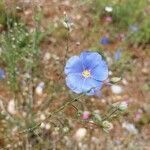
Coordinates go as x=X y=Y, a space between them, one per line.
x=86 y=73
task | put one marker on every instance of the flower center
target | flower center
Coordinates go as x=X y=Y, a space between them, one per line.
x=86 y=73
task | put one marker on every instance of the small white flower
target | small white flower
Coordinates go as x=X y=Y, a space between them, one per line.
x=80 y=134
x=116 y=89
x=108 y=9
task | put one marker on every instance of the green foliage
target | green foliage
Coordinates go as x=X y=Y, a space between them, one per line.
x=143 y=34
x=127 y=12
x=7 y=17
x=19 y=51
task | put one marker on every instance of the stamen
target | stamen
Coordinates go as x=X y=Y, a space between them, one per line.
x=86 y=73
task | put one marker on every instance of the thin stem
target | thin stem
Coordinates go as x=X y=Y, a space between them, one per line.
x=53 y=113
x=110 y=115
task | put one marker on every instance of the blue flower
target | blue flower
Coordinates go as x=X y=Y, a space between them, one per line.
x=2 y=74
x=104 y=40
x=86 y=73
x=118 y=54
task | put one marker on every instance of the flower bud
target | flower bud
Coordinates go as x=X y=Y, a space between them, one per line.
x=65 y=129
x=107 y=126
x=123 y=106
x=85 y=115
x=115 y=79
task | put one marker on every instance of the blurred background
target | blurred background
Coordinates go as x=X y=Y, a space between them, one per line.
x=36 y=39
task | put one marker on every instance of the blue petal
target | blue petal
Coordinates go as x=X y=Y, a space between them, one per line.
x=91 y=86
x=90 y=59
x=100 y=72
x=73 y=65
x=74 y=82
x=2 y=74
x=104 y=40
x=117 y=54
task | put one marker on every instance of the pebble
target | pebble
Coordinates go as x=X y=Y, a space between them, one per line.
x=42 y=117
x=11 y=107
x=116 y=89
x=124 y=81
x=130 y=127
x=47 y=126
x=39 y=89
x=47 y=56
x=80 y=134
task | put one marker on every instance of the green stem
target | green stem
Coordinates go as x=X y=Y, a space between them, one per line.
x=51 y=114
x=110 y=115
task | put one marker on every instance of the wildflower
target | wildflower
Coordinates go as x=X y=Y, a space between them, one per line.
x=85 y=115
x=123 y=106
x=104 y=40
x=2 y=74
x=86 y=73
x=117 y=54
x=108 y=9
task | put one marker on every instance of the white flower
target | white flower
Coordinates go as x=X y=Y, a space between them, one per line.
x=116 y=89
x=108 y=9
x=80 y=134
